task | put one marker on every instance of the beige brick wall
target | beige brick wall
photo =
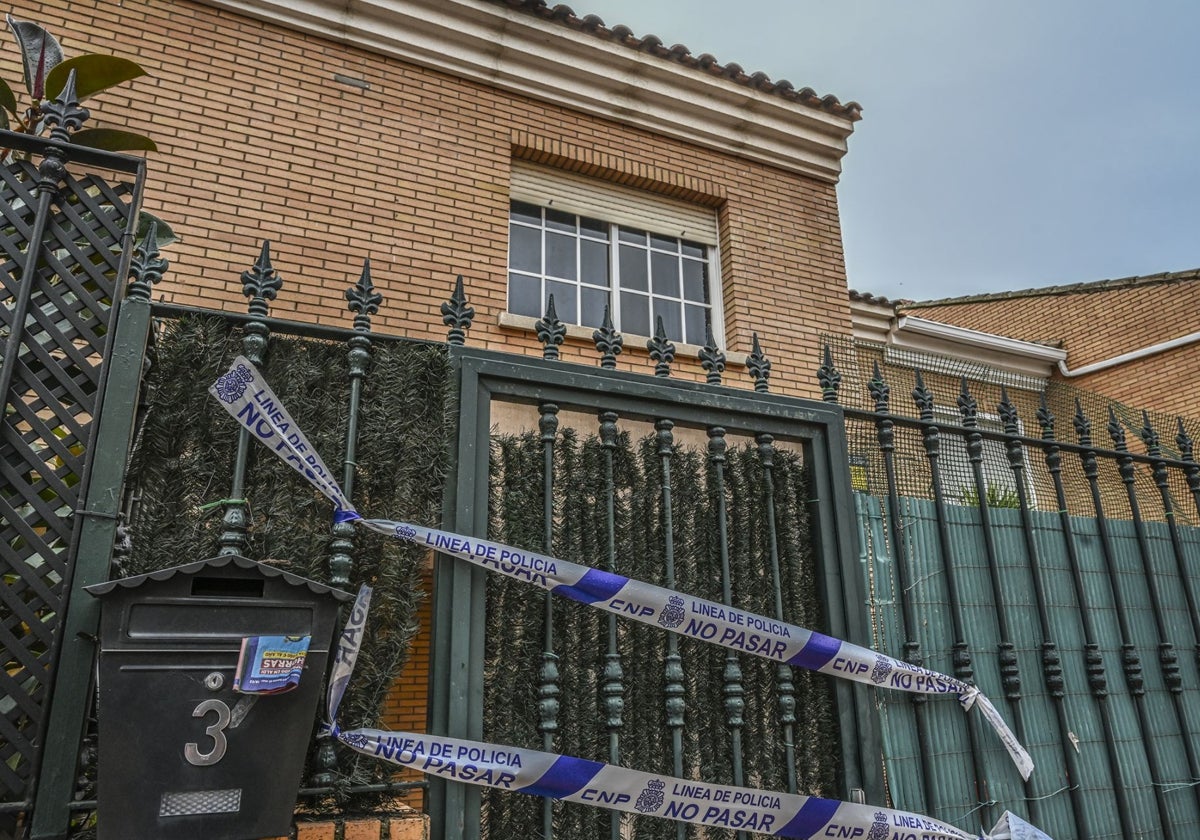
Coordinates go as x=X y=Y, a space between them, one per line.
x=1099 y=324
x=257 y=140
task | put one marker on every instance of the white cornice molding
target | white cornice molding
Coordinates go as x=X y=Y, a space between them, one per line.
x=1009 y=354
x=871 y=321
x=915 y=342
x=545 y=60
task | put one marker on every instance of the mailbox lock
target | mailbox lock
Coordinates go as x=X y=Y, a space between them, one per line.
x=214 y=681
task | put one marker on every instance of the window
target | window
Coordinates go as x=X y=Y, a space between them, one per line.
x=593 y=245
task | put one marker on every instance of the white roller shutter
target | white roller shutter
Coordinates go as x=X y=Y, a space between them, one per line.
x=584 y=196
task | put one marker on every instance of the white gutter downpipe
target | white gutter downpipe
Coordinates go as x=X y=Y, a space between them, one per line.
x=1132 y=356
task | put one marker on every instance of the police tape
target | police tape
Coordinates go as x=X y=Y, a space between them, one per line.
x=248 y=398
x=619 y=788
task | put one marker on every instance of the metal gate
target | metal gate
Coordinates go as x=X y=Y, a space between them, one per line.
x=599 y=402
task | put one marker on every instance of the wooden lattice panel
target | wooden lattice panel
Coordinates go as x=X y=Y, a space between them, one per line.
x=47 y=425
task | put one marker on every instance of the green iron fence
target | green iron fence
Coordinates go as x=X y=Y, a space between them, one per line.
x=1057 y=573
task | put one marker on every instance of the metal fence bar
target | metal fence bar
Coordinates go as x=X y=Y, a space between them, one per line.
x=963 y=669
x=1010 y=676
x=1052 y=672
x=886 y=436
x=260 y=283
x=609 y=344
x=662 y=352
x=1160 y=475
x=713 y=362
x=551 y=332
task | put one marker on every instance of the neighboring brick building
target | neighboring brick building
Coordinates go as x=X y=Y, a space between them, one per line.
x=394 y=133
x=1134 y=339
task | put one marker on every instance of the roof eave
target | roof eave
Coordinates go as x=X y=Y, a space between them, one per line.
x=518 y=52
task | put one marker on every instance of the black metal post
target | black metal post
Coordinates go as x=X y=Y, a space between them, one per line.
x=551 y=332
x=1010 y=675
x=1161 y=476
x=609 y=343
x=662 y=352
x=363 y=301
x=260 y=283
x=886 y=434
x=713 y=362
x=115 y=417
x=963 y=669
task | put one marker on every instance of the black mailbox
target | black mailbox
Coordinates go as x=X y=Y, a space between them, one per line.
x=182 y=755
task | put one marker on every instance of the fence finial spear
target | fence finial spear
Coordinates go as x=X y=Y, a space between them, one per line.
x=968 y=408
x=261 y=282
x=1045 y=418
x=1116 y=431
x=147 y=267
x=458 y=315
x=1008 y=412
x=828 y=377
x=711 y=358
x=878 y=389
x=65 y=114
x=363 y=300
x=923 y=398
x=1184 y=441
x=550 y=331
x=758 y=365
x=1083 y=426
x=662 y=351
x=1149 y=436
x=608 y=341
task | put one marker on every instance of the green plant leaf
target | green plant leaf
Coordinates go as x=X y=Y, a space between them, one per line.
x=93 y=73
x=8 y=100
x=164 y=235
x=113 y=140
x=40 y=53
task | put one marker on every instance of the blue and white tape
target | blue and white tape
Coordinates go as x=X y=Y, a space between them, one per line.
x=248 y=398
x=618 y=788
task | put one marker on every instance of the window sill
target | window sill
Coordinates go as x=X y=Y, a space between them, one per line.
x=691 y=351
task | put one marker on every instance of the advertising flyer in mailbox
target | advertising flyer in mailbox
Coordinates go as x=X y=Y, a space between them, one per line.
x=270 y=664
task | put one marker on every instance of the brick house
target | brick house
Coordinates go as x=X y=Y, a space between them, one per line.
x=533 y=152
x=529 y=150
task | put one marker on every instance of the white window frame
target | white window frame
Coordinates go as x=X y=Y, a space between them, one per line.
x=618 y=206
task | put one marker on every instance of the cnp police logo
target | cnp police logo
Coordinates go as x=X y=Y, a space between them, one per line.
x=881 y=670
x=356 y=739
x=672 y=614
x=232 y=385
x=406 y=532
x=879 y=828
x=651 y=799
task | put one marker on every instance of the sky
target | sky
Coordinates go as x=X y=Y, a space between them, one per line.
x=1006 y=144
